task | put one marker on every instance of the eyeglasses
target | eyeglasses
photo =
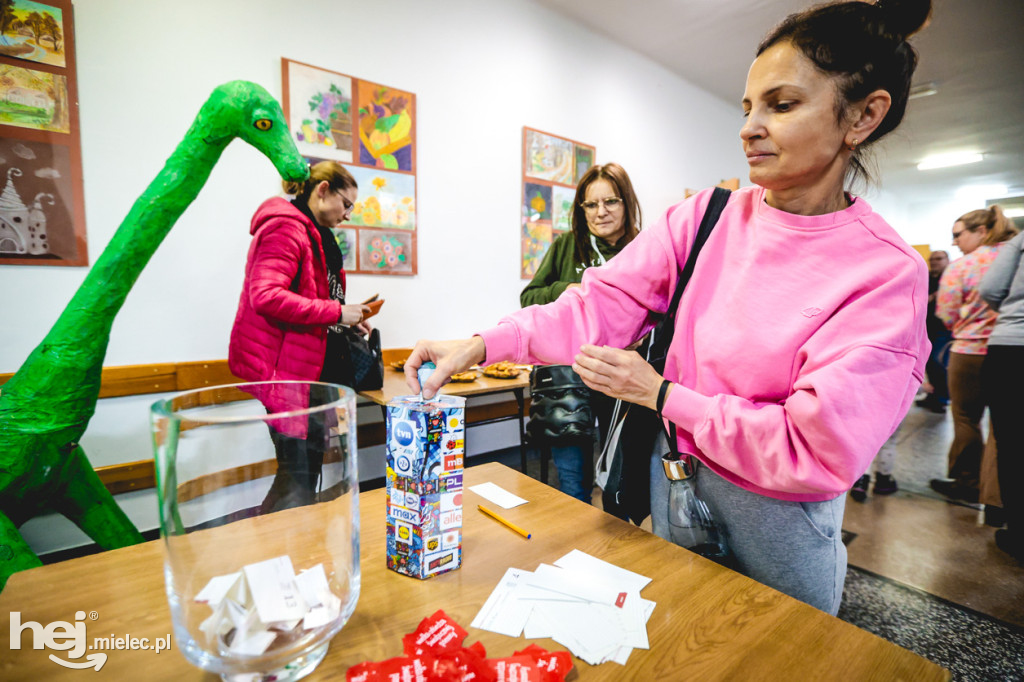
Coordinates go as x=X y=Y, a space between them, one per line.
x=957 y=235
x=346 y=203
x=611 y=203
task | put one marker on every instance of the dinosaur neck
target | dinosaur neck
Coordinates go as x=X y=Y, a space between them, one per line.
x=84 y=326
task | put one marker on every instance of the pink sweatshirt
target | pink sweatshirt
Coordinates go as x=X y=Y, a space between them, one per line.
x=799 y=345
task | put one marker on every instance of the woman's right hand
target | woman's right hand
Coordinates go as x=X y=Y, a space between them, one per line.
x=353 y=314
x=449 y=356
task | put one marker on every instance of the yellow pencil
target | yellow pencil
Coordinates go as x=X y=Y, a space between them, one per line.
x=501 y=520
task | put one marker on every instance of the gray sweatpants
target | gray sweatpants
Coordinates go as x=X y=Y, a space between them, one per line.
x=794 y=547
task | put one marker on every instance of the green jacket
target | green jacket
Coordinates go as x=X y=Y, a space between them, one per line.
x=560 y=268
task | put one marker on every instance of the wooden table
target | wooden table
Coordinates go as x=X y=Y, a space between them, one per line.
x=394 y=385
x=709 y=623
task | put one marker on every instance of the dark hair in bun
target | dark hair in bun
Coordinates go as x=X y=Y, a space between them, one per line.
x=864 y=47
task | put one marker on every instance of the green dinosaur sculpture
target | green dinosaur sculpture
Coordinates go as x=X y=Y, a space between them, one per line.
x=47 y=404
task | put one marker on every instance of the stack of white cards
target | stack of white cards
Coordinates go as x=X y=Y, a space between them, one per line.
x=587 y=605
x=264 y=600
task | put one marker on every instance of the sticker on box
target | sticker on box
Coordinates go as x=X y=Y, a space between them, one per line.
x=425 y=449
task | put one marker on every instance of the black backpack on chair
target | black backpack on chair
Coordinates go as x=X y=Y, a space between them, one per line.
x=560 y=411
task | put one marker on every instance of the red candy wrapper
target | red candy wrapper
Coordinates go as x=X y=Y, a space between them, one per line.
x=434 y=653
x=557 y=663
x=435 y=633
x=516 y=669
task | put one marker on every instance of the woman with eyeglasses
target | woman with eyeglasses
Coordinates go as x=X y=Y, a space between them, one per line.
x=605 y=218
x=800 y=338
x=292 y=311
x=972 y=469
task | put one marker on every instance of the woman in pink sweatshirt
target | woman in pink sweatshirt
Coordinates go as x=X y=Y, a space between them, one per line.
x=800 y=339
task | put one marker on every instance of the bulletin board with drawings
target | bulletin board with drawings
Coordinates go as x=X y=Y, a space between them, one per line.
x=371 y=130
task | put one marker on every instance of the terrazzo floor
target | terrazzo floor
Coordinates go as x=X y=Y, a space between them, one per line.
x=972 y=646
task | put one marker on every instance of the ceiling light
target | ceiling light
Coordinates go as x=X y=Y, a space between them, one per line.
x=1014 y=213
x=947 y=160
x=924 y=90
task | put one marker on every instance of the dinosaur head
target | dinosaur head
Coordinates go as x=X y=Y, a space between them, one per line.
x=246 y=110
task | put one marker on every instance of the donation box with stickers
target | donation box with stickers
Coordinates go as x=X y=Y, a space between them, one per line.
x=426 y=442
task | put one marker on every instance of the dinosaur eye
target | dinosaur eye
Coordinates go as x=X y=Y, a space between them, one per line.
x=263 y=124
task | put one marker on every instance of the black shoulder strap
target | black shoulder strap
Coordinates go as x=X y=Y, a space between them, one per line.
x=666 y=328
x=719 y=198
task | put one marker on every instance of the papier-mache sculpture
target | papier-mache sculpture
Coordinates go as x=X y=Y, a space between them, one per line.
x=47 y=404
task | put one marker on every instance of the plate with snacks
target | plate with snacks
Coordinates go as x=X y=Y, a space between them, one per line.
x=399 y=365
x=502 y=370
x=464 y=377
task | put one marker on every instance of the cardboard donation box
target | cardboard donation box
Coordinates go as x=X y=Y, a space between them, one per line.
x=425 y=448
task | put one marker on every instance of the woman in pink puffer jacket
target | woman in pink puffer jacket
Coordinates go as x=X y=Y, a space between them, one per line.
x=292 y=313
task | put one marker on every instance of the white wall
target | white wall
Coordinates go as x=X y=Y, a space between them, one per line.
x=480 y=71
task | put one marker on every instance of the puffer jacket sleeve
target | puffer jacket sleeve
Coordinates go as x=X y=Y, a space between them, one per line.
x=276 y=260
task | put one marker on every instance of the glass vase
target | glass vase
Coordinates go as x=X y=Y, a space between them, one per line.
x=258 y=490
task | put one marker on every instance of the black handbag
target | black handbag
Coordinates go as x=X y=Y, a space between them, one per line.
x=365 y=361
x=560 y=411
x=624 y=465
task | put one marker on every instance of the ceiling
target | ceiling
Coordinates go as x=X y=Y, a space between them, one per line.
x=973 y=50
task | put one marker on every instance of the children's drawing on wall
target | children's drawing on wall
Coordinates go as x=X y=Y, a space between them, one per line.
x=346 y=239
x=551 y=165
x=319 y=110
x=35 y=218
x=33 y=99
x=371 y=128
x=386 y=125
x=385 y=199
x=383 y=251
x=536 y=202
x=561 y=208
x=33 y=31
x=536 y=242
x=584 y=160
x=549 y=158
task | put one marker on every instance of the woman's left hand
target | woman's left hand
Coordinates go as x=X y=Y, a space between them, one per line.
x=363 y=328
x=621 y=374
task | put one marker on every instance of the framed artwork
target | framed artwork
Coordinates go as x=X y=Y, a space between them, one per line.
x=385 y=199
x=319 y=112
x=549 y=158
x=537 y=202
x=346 y=239
x=34 y=31
x=561 y=207
x=33 y=99
x=386 y=127
x=552 y=167
x=42 y=206
x=370 y=129
x=536 y=240
x=388 y=252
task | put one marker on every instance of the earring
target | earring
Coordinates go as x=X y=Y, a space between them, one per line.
x=853 y=147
